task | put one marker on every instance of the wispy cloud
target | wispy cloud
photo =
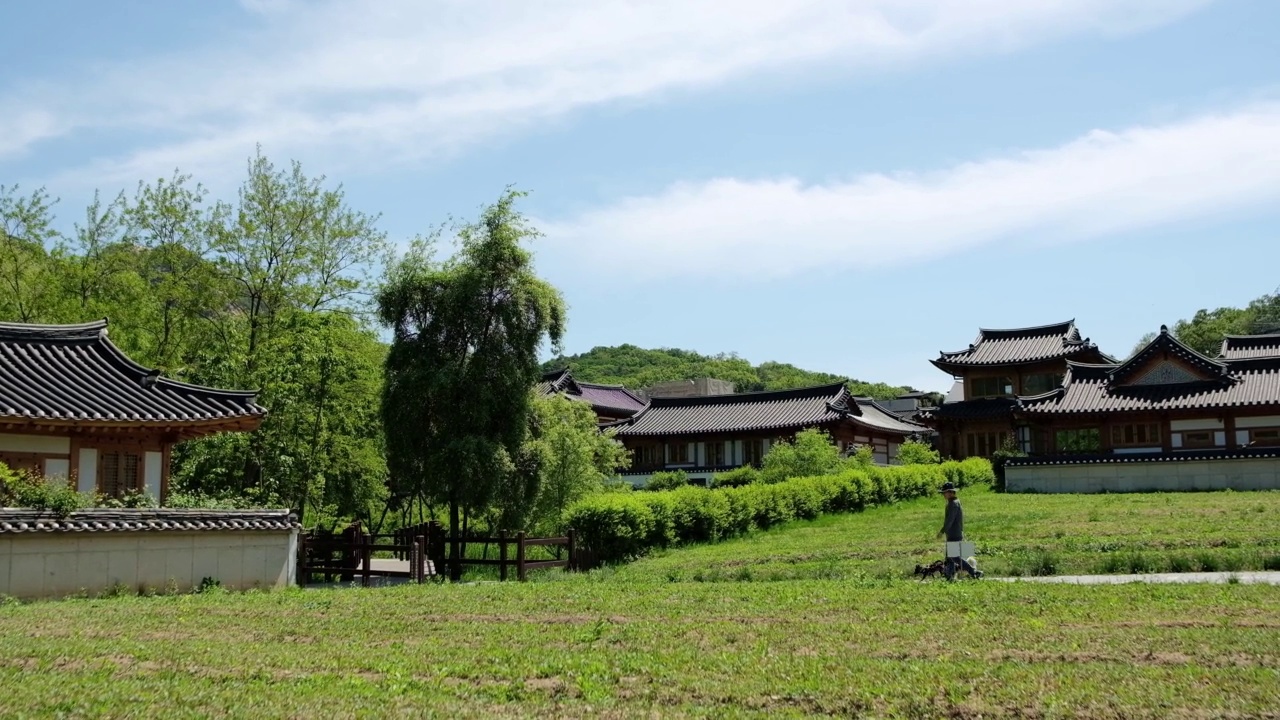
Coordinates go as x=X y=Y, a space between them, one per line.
x=1101 y=183
x=403 y=79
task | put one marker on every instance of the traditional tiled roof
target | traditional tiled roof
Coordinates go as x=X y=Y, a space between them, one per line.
x=1242 y=347
x=1020 y=346
x=777 y=410
x=981 y=408
x=72 y=375
x=1090 y=389
x=605 y=399
x=1146 y=457
x=161 y=520
x=1165 y=345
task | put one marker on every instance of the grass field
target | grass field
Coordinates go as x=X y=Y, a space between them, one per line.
x=629 y=642
x=627 y=649
x=1015 y=535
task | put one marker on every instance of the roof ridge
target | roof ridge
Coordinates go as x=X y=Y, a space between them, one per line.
x=37 y=331
x=754 y=396
x=1067 y=326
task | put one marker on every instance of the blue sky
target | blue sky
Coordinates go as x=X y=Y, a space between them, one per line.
x=849 y=186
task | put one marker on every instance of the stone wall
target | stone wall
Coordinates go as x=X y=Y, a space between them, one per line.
x=73 y=557
x=1171 y=475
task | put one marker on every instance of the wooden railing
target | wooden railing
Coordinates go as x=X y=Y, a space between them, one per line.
x=429 y=550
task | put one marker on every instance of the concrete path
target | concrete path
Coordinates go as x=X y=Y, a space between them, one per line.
x=1245 y=578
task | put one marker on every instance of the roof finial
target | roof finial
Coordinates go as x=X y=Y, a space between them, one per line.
x=1164 y=329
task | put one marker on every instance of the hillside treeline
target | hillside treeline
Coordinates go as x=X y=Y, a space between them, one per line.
x=637 y=367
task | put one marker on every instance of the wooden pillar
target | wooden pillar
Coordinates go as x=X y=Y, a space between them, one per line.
x=1166 y=434
x=520 y=574
x=502 y=554
x=1229 y=425
x=573 y=557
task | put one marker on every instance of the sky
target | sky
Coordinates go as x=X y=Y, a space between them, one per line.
x=850 y=186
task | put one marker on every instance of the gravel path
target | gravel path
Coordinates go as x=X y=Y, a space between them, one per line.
x=1249 y=577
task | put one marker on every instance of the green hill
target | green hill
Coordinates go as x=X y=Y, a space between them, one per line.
x=637 y=367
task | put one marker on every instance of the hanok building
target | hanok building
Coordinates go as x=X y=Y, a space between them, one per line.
x=1166 y=418
x=610 y=402
x=989 y=376
x=73 y=406
x=703 y=435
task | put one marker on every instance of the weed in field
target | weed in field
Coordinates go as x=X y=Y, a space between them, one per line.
x=1208 y=562
x=1271 y=562
x=1180 y=564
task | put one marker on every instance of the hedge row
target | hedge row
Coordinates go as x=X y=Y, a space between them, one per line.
x=619 y=526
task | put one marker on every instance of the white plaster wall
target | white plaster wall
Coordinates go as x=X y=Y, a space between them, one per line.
x=46 y=444
x=1241 y=474
x=87 y=478
x=151 y=463
x=57 y=468
x=1196 y=424
x=49 y=565
x=1260 y=421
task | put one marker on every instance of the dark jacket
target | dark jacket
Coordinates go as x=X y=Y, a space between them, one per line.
x=953 y=524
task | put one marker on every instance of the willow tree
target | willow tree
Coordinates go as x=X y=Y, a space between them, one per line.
x=464 y=353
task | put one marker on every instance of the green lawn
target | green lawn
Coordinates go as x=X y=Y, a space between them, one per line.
x=625 y=649
x=846 y=636
x=1015 y=534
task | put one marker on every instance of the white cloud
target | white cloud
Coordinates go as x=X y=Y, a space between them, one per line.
x=403 y=79
x=1104 y=182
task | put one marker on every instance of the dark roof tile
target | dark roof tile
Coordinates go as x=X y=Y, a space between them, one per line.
x=788 y=410
x=604 y=399
x=1244 y=347
x=1020 y=345
x=14 y=520
x=73 y=373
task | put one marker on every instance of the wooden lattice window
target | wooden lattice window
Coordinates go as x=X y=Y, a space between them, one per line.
x=119 y=474
x=715 y=454
x=752 y=452
x=1136 y=434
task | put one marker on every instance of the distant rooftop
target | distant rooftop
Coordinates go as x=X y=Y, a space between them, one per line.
x=1019 y=346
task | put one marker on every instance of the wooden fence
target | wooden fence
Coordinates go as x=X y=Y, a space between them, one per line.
x=429 y=550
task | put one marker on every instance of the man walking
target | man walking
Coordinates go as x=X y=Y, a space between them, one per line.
x=953 y=529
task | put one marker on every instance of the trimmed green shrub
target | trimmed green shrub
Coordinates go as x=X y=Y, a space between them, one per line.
x=913 y=452
x=667 y=480
x=745 y=475
x=21 y=489
x=617 y=526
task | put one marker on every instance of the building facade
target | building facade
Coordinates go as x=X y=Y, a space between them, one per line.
x=74 y=407
x=708 y=434
x=992 y=373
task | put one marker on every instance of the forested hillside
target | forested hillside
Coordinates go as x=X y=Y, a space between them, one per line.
x=637 y=367
x=1204 y=330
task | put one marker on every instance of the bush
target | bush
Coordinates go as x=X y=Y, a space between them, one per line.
x=1007 y=451
x=667 y=480
x=24 y=490
x=617 y=526
x=745 y=475
x=913 y=452
x=811 y=453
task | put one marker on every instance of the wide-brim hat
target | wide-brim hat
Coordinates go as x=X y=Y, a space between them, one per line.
x=948 y=487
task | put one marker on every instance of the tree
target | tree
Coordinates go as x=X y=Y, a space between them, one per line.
x=914 y=452
x=811 y=453
x=26 y=231
x=1205 y=330
x=574 y=458
x=465 y=338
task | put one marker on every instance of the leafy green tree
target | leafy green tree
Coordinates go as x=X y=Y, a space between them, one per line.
x=1205 y=330
x=464 y=354
x=913 y=452
x=26 y=278
x=573 y=457
x=811 y=453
